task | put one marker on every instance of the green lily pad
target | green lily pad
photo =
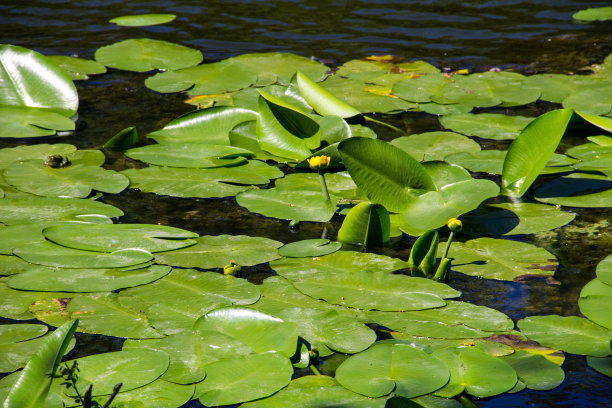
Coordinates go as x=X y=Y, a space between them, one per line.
x=13 y=236
x=448 y=109
x=199 y=155
x=144 y=54
x=604 y=270
x=602 y=122
x=210 y=125
x=514 y=219
x=140 y=20
x=435 y=145
x=191 y=351
x=420 y=89
x=215 y=78
x=485 y=345
x=17 y=354
x=85 y=280
x=492 y=162
x=258 y=330
x=556 y=87
x=25 y=122
x=595 y=101
x=113 y=237
x=486 y=125
x=594 y=303
x=385 y=368
x=159 y=393
x=308 y=247
x=339 y=184
x=29 y=79
x=31 y=210
x=10 y=155
x=49 y=254
x=15 y=304
x=601 y=140
x=501 y=259
x=133 y=368
x=477 y=373
x=205 y=183
x=572 y=334
x=594 y=14
x=124 y=139
x=535 y=371
x=363 y=281
x=278 y=67
x=76 y=180
x=78 y=68
x=316 y=391
x=590 y=151
x=289 y=204
x=577 y=190
x=367 y=224
x=248 y=378
x=15 y=333
x=218 y=251
x=602 y=365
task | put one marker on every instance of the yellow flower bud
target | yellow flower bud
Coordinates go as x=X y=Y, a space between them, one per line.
x=454 y=225
x=232 y=269
x=318 y=162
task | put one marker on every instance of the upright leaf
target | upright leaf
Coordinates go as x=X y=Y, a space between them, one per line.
x=532 y=149
x=366 y=224
x=322 y=100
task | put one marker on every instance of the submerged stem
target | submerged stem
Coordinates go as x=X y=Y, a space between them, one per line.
x=324 y=186
x=314 y=370
x=384 y=124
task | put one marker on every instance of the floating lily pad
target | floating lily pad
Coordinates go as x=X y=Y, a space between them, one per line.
x=144 y=54
x=278 y=67
x=244 y=379
x=78 y=68
x=133 y=368
x=535 y=371
x=29 y=79
x=13 y=236
x=15 y=304
x=158 y=393
x=385 y=368
x=492 y=162
x=17 y=354
x=14 y=333
x=140 y=20
x=75 y=180
x=486 y=125
x=85 y=280
x=595 y=303
x=18 y=122
x=113 y=237
x=10 y=155
x=339 y=184
x=590 y=151
x=420 y=89
x=205 y=183
x=602 y=365
x=604 y=270
x=572 y=334
x=501 y=259
x=594 y=14
x=363 y=281
x=199 y=155
x=595 y=101
x=309 y=247
x=477 y=373
x=49 y=254
x=289 y=204
x=30 y=210
x=435 y=145
x=577 y=190
x=556 y=87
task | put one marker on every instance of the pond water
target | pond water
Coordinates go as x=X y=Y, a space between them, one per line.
x=526 y=36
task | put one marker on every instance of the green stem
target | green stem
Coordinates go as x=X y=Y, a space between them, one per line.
x=324 y=186
x=448 y=244
x=314 y=370
x=384 y=124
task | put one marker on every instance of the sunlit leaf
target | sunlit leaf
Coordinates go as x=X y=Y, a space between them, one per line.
x=140 y=20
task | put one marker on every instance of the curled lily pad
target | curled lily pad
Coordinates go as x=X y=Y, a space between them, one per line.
x=385 y=368
x=144 y=54
x=29 y=210
x=124 y=139
x=29 y=79
x=31 y=122
x=140 y=20
x=113 y=237
x=199 y=155
x=309 y=247
x=366 y=224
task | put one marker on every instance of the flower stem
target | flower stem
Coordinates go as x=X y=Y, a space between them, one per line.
x=314 y=370
x=448 y=244
x=324 y=187
x=384 y=124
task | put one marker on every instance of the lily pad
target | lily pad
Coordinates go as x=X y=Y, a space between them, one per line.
x=501 y=259
x=49 y=254
x=140 y=20
x=289 y=204
x=435 y=145
x=133 y=368
x=278 y=67
x=159 y=393
x=308 y=247
x=604 y=270
x=10 y=155
x=602 y=365
x=492 y=162
x=577 y=190
x=367 y=224
x=78 y=68
x=594 y=14
x=144 y=54
x=535 y=371
x=15 y=304
x=15 y=333
x=31 y=210
x=556 y=87
x=595 y=101
x=595 y=300
x=85 y=280
x=17 y=354
x=385 y=368
x=339 y=184
x=198 y=155
x=572 y=334
x=476 y=373
x=486 y=125
x=248 y=378
x=113 y=237
x=29 y=79
x=124 y=139
x=25 y=122
x=363 y=281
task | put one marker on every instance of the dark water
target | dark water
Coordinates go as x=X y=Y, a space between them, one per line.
x=527 y=36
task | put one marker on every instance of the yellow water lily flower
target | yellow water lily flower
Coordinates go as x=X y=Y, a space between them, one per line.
x=454 y=225
x=232 y=269
x=318 y=162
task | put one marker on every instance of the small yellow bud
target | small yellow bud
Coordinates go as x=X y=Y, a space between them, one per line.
x=318 y=162
x=232 y=269
x=454 y=225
